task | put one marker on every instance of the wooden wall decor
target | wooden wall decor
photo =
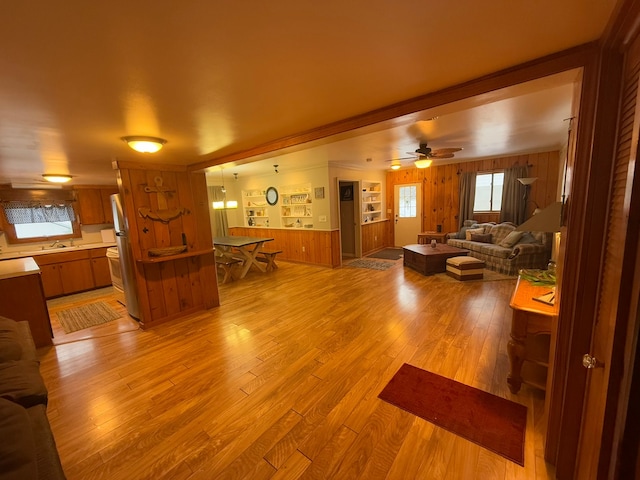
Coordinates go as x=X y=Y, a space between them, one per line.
x=167 y=219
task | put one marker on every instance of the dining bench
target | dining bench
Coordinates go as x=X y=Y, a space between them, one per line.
x=269 y=257
x=226 y=264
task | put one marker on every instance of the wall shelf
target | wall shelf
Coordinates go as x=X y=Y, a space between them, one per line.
x=371 y=201
x=296 y=209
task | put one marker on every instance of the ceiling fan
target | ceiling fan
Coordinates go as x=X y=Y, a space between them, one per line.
x=425 y=155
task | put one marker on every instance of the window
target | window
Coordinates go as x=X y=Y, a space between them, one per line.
x=32 y=216
x=488 y=192
x=407 y=202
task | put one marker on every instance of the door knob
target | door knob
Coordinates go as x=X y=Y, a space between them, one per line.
x=589 y=362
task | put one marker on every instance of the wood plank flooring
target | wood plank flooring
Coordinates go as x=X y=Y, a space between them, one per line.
x=281 y=382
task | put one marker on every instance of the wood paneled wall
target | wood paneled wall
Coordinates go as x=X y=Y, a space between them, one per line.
x=375 y=236
x=169 y=286
x=440 y=187
x=319 y=247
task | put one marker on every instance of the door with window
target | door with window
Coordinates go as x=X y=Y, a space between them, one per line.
x=407 y=213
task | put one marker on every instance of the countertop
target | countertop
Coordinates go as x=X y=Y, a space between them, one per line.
x=33 y=251
x=18 y=267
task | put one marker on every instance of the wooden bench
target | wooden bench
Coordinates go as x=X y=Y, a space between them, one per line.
x=268 y=257
x=226 y=264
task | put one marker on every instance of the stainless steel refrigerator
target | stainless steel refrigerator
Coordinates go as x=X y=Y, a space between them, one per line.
x=127 y=265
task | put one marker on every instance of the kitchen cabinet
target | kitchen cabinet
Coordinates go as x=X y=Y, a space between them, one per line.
x=65 y=273
x=94 y=205
x=100 y=267
x=22 y=298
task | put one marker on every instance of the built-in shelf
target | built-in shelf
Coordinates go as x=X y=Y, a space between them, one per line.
x=254 y=205
x=371 y=201
x=296 y=209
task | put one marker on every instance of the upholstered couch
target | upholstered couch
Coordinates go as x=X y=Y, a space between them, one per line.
x=27 y=447
x=501 y=247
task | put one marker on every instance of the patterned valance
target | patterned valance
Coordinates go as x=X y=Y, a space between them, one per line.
x=35 y=212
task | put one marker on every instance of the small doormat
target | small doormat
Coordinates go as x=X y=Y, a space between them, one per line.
x=388 y=254
x=85 y=316
x=372 y=264
x=492 y=422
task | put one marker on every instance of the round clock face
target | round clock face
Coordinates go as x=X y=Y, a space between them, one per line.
x=272 y=196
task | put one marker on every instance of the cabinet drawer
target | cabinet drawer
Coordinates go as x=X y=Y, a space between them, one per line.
x=51 y=258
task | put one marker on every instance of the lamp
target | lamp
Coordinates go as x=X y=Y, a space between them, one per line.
x=526 y=181
x=56 y=178
x=395 y=164
x=144 y=144
x=549 y=219
x=423 y=163
x=224 y=204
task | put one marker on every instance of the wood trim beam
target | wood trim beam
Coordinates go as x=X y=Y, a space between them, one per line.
x=556 y=63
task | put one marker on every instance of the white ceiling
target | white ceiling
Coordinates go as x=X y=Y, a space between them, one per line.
x=216 y=78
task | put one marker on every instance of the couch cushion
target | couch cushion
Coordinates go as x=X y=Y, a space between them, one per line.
x=500 y=231
x=473 y=231
x=47 y=457
x=10 y=348
x=481 y=237
x=17 y=445
x=511 y=239
x=20 y=382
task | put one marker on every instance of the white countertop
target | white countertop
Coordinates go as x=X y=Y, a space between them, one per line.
x=33 y=251
x=18 y=267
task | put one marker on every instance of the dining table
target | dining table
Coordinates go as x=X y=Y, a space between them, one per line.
x=247 y=248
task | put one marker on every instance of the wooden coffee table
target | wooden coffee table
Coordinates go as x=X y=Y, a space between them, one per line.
x=429 y=260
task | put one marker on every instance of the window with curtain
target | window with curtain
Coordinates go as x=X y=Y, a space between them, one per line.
x=488 y=195
x=28 y=216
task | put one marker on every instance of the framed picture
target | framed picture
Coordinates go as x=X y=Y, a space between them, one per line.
x=346 y=193
x=319 y=192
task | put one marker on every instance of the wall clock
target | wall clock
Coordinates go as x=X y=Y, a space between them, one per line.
x=272 y=195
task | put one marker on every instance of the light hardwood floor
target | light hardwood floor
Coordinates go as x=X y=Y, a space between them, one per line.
x=281 y=382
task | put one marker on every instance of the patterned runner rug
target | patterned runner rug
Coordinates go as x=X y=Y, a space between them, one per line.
x=372 y=264
x=85 y=316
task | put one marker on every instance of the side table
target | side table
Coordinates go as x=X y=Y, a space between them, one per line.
x=426 y=237
x=533 y=329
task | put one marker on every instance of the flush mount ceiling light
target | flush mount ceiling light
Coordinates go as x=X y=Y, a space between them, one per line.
x=395 y=165
x=145 y=144
x=56 y=178
x=423 y=163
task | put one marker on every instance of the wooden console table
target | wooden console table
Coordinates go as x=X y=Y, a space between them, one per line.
x=533 y=330
x=426 y=237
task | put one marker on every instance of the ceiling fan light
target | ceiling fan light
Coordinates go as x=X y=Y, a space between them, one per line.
x=423 y=163
x=395 y=165
x=56 y=178
x=144 y=144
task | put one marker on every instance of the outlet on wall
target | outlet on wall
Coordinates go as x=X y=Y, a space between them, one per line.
x=303 y=248
x=375 y=237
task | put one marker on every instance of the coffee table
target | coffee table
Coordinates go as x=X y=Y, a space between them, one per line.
x=429 y=260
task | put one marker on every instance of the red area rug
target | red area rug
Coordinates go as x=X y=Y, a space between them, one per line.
x=492 y=422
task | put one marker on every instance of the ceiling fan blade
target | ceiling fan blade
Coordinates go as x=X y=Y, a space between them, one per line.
x=441 y=155
x=445 y=150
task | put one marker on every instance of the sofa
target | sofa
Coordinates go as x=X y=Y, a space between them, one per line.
x=27 y=446
x=502 y=247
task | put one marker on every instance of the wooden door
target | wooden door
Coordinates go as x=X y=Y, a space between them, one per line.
x=596 y=449
x=407 y=213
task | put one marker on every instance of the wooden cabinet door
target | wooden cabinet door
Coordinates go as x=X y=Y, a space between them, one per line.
x=76 y=276
x=105 y=197
x=51 y=281
x=90 y=206
x=101 y=272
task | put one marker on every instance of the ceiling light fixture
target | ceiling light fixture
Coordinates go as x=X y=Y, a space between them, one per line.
x=56 y=178
x=395 y=165
x=144 y=144
x=423 y=163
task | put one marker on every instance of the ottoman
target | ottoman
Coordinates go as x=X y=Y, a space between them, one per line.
x=465 y=268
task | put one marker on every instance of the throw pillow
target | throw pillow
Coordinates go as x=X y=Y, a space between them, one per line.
x=473 y=231
x=481 y=237
x=511 y=239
